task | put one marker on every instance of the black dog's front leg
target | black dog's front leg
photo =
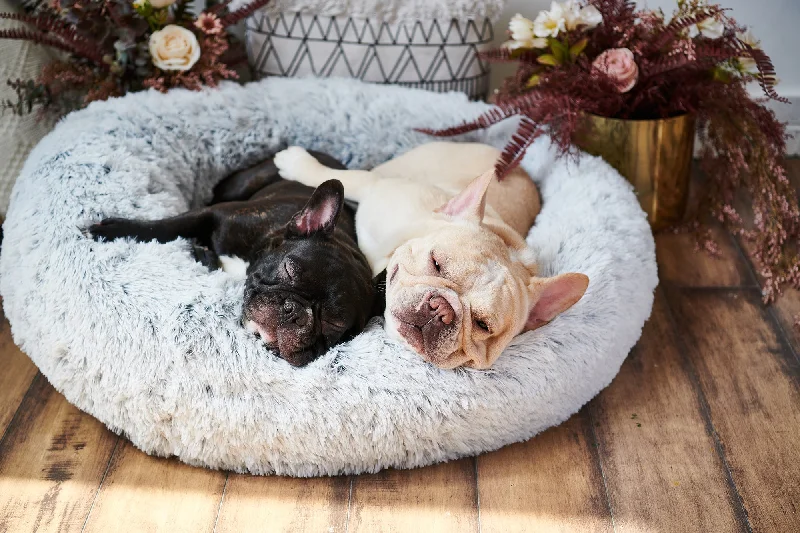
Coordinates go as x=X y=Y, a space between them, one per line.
x=196 y=224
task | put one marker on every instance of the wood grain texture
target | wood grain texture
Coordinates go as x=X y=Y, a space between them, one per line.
x=681 y=265
x=439 y=498
x=52 y=460
x=16 y=375
x=143 y=493
x=656 y=444
x=749 y=379
x=283 y=504
x=550 y=483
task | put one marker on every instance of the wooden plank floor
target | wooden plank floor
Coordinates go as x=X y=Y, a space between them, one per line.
x=699 y=432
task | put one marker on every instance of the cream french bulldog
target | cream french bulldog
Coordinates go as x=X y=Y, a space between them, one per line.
x=460 y=281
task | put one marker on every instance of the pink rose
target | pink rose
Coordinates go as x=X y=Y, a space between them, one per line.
x=619 y=66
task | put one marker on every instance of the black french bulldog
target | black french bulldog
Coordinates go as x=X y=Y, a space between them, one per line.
x=308 y=285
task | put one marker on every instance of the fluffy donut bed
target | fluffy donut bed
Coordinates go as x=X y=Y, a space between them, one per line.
x=149 y=341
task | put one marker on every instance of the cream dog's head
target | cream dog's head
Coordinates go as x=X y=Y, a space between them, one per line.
x=461 y=292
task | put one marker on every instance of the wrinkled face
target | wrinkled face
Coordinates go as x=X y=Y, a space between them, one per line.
x=309 y=290
x=456 y=296
x=460 y=293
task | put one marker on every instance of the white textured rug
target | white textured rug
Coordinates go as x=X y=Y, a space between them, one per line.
x=148 y=341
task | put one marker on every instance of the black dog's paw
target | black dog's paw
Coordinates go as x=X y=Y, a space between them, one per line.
x=206 y=257
x=112 y=228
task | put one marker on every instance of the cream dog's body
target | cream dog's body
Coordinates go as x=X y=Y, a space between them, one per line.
x=460 y=281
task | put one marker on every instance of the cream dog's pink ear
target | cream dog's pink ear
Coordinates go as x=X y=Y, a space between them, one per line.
x=552 y=296
x=470 y=203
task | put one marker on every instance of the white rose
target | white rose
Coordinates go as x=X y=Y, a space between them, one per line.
x=522 y=34
x=575 y=16
x=748 y=63
x=533 y=43
x=521 y=28
x=174 y=48
x=710 y=27
x=748 y=38
x=591 y=17
x=549 y=23
x=158 y=4
x=572 y=14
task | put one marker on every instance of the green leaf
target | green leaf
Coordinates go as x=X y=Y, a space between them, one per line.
x=144 y=10
x=721 y=75
x=560 y=50
x=159 y=18
x=533 y=81
x=548 y=59
x=576 y=49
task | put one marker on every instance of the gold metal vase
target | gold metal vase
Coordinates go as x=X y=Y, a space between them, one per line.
x=654 y=155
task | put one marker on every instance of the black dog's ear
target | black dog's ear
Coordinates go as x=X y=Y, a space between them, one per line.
x=320 y=213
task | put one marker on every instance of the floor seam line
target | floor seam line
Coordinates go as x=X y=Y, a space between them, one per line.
x=599 y=459
x=221 y=500
x=25 y=396
x=349 y=505
x=477 y=493
x=100 y=486
x=705 y=412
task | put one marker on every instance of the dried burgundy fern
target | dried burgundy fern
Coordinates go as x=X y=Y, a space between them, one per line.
x=679 y=24
x=693 y=63
x=77 y=48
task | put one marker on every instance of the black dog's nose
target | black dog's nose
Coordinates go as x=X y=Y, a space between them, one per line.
x=295 y=313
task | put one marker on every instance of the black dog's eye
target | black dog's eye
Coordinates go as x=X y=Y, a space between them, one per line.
x=435 y=263
x=481 y=324
x=336 y=326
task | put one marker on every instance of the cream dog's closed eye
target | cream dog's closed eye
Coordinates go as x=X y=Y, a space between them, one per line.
x=460 y=280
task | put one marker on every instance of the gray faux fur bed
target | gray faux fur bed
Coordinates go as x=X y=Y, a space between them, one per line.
x=148 y=341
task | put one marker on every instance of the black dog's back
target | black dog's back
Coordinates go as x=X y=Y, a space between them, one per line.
x=259 y=180
x=251 y=183
x=253 y=202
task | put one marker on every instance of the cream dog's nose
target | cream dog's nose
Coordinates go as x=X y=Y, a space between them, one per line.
x=442 y=309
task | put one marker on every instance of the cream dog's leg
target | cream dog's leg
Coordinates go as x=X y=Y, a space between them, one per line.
x=296 y=164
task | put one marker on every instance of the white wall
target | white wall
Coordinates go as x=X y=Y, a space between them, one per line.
x=775 y=22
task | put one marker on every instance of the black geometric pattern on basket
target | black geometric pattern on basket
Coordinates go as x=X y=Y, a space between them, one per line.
x=429 y=54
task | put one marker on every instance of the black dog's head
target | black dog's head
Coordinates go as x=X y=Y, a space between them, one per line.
x=311 y=287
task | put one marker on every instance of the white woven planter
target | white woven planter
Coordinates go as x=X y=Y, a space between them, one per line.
x=432 y=45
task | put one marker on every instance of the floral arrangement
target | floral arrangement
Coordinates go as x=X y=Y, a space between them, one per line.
x=112 y=47
x=607 y=58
